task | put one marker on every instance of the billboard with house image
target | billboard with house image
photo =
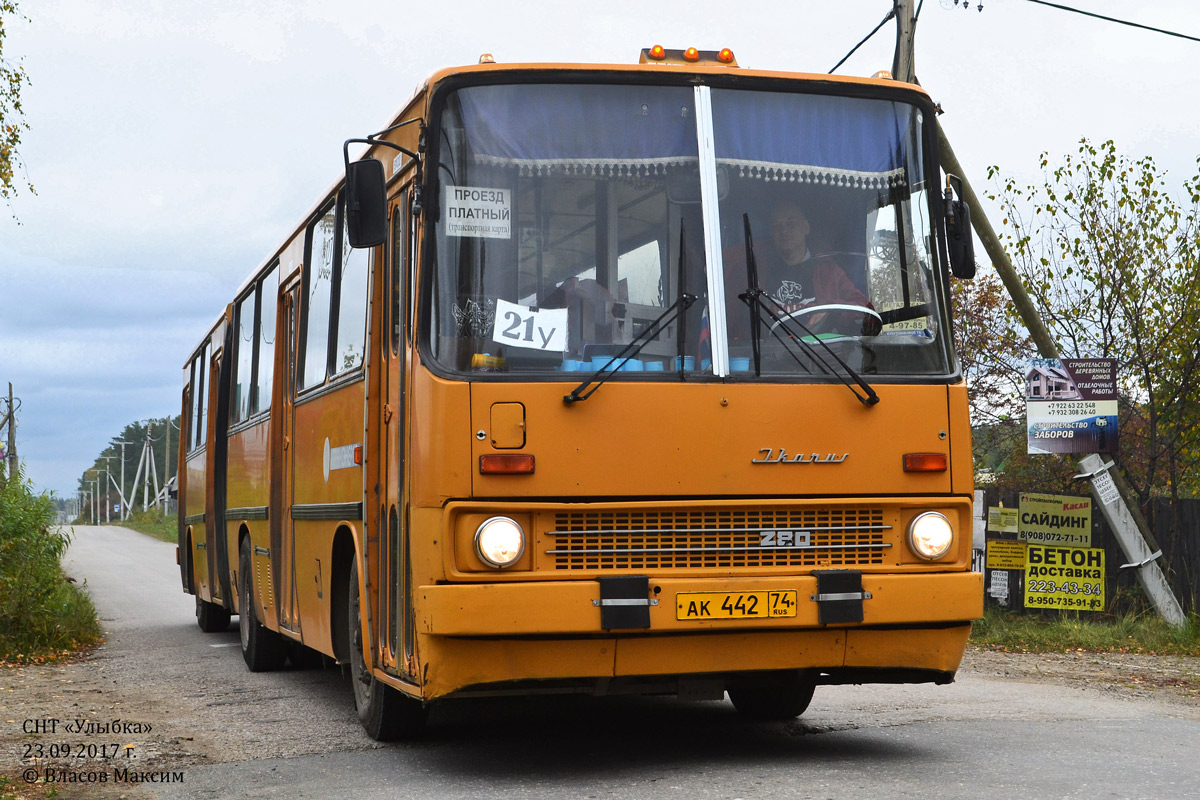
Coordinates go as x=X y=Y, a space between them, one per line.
x=1071 y=405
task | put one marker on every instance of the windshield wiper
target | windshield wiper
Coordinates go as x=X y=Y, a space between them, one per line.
x=752 y=291
x=648 y=334
x=651 y=332
x=754 y=298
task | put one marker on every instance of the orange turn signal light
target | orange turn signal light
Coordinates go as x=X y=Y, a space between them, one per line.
x=925 y=462
x=506 y=464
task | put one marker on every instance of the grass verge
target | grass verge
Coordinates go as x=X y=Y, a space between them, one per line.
x=44 y=616
x=1143 y=632
x=153 y=523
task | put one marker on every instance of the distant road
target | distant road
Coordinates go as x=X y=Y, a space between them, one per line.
x=290 y=734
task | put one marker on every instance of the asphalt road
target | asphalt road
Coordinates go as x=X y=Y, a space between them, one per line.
x=225 y=732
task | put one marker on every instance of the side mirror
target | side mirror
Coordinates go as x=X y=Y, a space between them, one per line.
x=366 y=203
x=958 y=231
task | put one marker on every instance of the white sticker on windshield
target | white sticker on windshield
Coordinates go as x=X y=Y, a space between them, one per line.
x=478 y=212
x=519 y=326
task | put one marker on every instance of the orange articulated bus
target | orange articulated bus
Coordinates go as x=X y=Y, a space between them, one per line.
x=632 y=378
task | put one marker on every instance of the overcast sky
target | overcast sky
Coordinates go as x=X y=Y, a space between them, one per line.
x=173 y=144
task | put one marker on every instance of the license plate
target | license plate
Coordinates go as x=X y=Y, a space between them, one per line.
x=735 y=605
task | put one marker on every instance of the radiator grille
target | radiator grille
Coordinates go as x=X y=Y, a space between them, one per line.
x=717 y=538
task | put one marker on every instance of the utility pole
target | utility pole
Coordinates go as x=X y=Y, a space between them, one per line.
x=107 y=480
x=167 y=465
x=121 y=488
x=166 y=468
x=903 y=67
x=11 y=419
x=1110 y=490
x=95 y=496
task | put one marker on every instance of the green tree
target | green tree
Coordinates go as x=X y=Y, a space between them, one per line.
x=12 y=116
x=992 y=347
x=1111 y=258
x=164 y=449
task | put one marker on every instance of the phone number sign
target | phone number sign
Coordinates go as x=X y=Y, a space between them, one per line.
x=1064 y=577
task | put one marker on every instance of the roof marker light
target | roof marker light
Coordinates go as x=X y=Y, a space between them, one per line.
x=658 y=52
x=691 y=54
x=725 y=56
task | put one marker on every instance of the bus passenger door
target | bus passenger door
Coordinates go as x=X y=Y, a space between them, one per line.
x=213 y=515
x=394 y=567
x=282 y=534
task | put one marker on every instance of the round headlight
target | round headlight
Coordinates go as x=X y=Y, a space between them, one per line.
x=499 y=541
x=930 y=535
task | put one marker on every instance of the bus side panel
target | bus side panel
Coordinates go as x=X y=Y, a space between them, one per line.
x=193 y=503
x=328 y=496
x=181 y=483
x=962 y=456
x=441 y=437
x=247 y=498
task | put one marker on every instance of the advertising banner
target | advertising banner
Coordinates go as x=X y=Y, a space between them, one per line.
x=1002 y=520
x=1056 y=519
x=1005 y=555
x=1071 y=405
x=1064 y=577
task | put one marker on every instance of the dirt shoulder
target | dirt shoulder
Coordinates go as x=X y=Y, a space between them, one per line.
x=1168 y=678
x=85 y=689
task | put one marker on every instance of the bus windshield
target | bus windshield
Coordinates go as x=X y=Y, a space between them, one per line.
x=571 y=217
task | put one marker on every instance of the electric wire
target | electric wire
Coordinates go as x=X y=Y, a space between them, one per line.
x=1113 y=19
x=890 y=16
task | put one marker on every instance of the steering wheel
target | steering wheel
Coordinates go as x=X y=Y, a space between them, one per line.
x=835 y=318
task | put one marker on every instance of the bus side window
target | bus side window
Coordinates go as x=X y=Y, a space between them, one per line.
x=268 y=294
x=200 y=412
x=398 y=311
x=193 y=385
x=352 y=307
x=318 y=292
x=244 y=344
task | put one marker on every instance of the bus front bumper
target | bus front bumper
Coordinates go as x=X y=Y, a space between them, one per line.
x=488 y=634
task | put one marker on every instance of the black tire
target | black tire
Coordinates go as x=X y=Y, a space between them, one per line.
x=774 y=699
x=301 y=657
x=211 y=617
x=385 y=713
x=264 y=650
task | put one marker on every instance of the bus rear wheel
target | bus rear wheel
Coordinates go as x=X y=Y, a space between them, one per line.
x=385 y=713
x=263 y=649
x=774 y=699
x=211 y=617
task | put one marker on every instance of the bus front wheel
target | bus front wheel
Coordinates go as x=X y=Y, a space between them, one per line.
x=386 y=713
x=777 y=698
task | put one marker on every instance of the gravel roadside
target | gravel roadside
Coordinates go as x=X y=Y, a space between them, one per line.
x=189 y=728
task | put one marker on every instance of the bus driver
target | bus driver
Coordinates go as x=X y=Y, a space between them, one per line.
x=796 y=278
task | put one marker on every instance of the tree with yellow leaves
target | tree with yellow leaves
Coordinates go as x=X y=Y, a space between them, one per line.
x=12 y=116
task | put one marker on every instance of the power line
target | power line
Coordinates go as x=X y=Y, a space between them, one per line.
x=854 y=49
x=1114 y=19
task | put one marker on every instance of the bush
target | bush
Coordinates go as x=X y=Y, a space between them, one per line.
x=42 y=614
